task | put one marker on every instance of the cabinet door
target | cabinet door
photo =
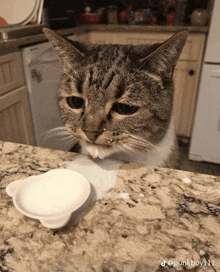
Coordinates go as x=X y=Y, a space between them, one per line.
x=193 y=48
x=141 y=38
x=11 y=72
x=101 y=37
x=83 y=37
x=185 y=81
x=15 y=124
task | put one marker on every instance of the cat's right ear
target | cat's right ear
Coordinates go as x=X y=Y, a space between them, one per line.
x=67 y=53
x=165 y=57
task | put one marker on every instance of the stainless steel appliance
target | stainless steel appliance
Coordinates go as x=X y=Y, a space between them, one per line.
x=42 y=73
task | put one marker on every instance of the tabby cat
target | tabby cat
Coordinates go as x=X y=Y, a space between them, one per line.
x=116 y=100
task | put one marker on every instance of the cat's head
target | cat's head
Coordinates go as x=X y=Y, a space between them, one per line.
x=117 y=98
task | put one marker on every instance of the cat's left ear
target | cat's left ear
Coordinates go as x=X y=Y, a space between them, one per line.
x=165 y=57
x=68 y=54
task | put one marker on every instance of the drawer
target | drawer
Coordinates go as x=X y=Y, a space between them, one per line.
x=11 y=72
x=191 y=51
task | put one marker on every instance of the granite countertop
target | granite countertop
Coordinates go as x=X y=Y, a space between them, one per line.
x=11 y=45
x=152 y=219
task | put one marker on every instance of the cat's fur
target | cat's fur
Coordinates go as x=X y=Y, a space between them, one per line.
x=109 y=79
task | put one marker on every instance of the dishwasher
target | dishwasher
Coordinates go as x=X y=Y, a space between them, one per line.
x=43 y=72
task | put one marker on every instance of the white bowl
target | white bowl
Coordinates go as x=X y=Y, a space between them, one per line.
x=50 y=197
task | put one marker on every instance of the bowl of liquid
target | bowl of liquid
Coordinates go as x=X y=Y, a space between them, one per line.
x=50 y=197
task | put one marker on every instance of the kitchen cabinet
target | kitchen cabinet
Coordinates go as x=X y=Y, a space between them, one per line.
x=15 y=117
x=187 y=72
x=11 y=74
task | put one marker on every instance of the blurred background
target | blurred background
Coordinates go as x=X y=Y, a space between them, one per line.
x=63 y=13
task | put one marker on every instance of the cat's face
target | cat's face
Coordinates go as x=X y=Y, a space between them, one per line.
x=117 y=98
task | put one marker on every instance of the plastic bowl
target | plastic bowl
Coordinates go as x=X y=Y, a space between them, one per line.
x=51 y=197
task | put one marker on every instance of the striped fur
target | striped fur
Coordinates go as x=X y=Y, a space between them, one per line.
x=127 y=98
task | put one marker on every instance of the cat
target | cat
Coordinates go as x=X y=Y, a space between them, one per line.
x=116 y=100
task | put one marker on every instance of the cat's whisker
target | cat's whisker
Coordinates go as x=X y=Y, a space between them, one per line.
x=67 y=139
x=52 y=81
x=70 y=76
x=126 y=148
x=141 y=148
x=58 y=130
x=62 y=71
x=54 y=68
x=130 y=85
x=163 y=128
x=70 y=141
x=60 y=134
x=65 y=144
x=73 y=71
x=140 y=142
x=67 y=63
x=131 y=149
x=123 y=150
x=63 y=133
x=63 y=128
x=130 y=76
x=147 y=144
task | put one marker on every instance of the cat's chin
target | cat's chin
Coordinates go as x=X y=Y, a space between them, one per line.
x=98 y=151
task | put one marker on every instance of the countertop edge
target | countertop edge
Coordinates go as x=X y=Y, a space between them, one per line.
x=12 y=45
x=139 y=28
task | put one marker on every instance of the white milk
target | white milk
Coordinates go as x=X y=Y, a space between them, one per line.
x=52 y=193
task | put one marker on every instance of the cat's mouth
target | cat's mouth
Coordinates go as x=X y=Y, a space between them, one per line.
x=98 y=150
x=98 y=145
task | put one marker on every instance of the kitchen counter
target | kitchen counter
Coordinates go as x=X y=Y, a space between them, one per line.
x=139 y=28
x=10 y=45
x=152 y=219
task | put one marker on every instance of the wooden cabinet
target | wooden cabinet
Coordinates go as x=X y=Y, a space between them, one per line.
x=186 y=77
x=187 y=72
x=15 y=117
x=11 y=74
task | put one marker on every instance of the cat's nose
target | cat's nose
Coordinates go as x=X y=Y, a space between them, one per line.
x=92 y=135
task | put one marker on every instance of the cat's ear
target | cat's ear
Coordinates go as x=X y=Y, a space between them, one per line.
x=67 y=53
x=165 y=57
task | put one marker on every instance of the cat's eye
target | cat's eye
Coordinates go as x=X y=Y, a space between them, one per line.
x=75 y=102
x=124 y=109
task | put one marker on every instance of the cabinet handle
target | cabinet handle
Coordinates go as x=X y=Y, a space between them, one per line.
x=191 y=72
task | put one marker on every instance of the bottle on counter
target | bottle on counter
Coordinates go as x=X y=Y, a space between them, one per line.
x=123 y=15
x=170 y=17
x=112 y=15
x=180 y=12
x=199 y=17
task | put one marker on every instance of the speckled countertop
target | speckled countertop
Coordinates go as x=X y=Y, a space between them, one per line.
x=11 y=45
x=169 y=222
